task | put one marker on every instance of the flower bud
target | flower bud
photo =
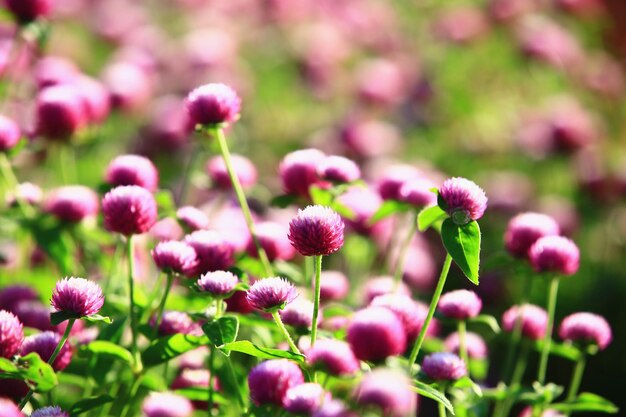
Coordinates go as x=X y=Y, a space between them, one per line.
x=534 y=320
x=334 y=357
x=381 y=325
x=269 y=381
x=60 y=112
x=316 y=231
x=444 y=366
x=524 y=229
x=271 y=294
x=460 y=304
x=475 y=345
x=132 y=170
x=243 y=167
x=586 y=328
x=72 y=203
x=305 y=398
x=165 y=404
x=388 y=390
x=175 y=256
x=298 y=171
x=9 y=133
x=219 y=284
x=463 y=200
x=554 y=254
x=213 y=104
x=129 y=210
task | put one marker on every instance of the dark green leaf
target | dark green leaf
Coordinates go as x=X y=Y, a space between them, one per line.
x=56 y=242
x=283 y=201
x=222 y=331
x=432 y=393
x=562 y=350
x=388 y=208
x=321 y=196
x=108 y=349
x=247 y=347
x=488 y=320
x=94 y=318
x=60 y=316
x=430 y=216
x=88 y=404
x=202 y=394
x=165 y=348
x=587 y=402
x=463 y=245
x=466 y=382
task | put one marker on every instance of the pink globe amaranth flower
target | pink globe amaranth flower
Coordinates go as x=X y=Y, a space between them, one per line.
x=238 y=303
x=77 y=296
x=393 y=178
x=214 y=251
x=192 y=218
x=166 y=404
x=333 y=408
x=369 y=138
x=9 y=409
x=25 y=11
x=132 y=170
x=44 y=345
x=380 y=82
x=463 y=200
x=383 y=285
x=586 y=328
x=12 y=295
x=418 y=192
x=544 y=40
x=554 y=254
x=338 y=169
x=243 y=167
x=298 y=171
x=389 y=390
x=52 y=411
x=528 y=412
x=316 y=231
x=213 y=104
x=334 y=357
x=411 y=313
x=175 y=322
x=334 y=286
x=461 y=25
x=444 y=366
x=305 y=398
x=271 y=294
x=129 y=210
x=298 y=313
x=534 y=320
x=175 y=256
x=54 y=70
x=274 y=241
x=166 y=229
x=419 y=269
x=60 y=112
x=363 y=202
x=269 y=381
x=128 y=84
x=219 y=284
x=28 y=193
x=33 y=314
x=95 y=98
x=475 y=345
x=198 y=378
x=460 y=304
x=9 y=133
x=11 y=334
x=381 y=325
x=524 y=229
x=72 y=203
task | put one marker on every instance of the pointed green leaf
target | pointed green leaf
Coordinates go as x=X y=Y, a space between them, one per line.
x=388 y=208
x=89 y=404
x=432 y=393
x=165 y=348
x=587 y=402
x=463 y=245
x=223 y=330
x=201 y=394
x=487 y=320
x=429 y=216
x=108 y=349
x=563 y=350
x=95 y=318
x=249 y=348
x=59 y=317
x=38 y=374
x=466 y=382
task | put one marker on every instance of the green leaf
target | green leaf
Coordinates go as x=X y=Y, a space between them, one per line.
x=388 y=208
x=108 y=349
x=165 y=201
x=562 y=350
x=283 y=201
x=587 y=402
x=222 y=331
x=463 y=245
x=321 y=196
x=55 y=241
x=541 y=394
x=478 y=368
x=202 y=394
x=59 y=317
x=343 y=210
x=165 y=348
x=38 y=374
x=249 y=348
x=432 y=393
x=95 y=318
x=488 y=320
x=466 y=382
x=429 y=216
x=88 y=404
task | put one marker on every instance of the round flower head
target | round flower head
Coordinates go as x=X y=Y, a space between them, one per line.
x=534 y=320
x=12 y=295
x=72 y=203
x=244 y=170
x=166 y=229
x=334 y=357
x=418 y=192
x=316 y=230
x=9 y=133
x=191 y=378
x=586 y=328
x=298 y=171
x=338 y=169
x=554 y=254
x=175 y=322
x=411 y=313
x=269 y=381
x=524 y=229
x=54 y=411
x=60 y=112
x=175 y=256
x=393 y=178
x=129 y=210
x=9 y=409
x=389 y=390
x=271 y=294
x=305 y=398
x=363 y=203
x=213 y=104
x=476 y=346
x=463 y=200
x=11 y=334
x=95 y=97
x=28 y=193
x=219 y=284
x=214 y=251
x=333 y=285
x=35 y=315
x=44 y=345
x=274 y=241
x=381 y=325
x=444 y=366
x=77 y=296
x=192 y=218
x=460 y=304
x=132 y=170
x=26 y=11
x=128 y=84
x=298 y=314
x=166 y=404
x=333 y=408
x=383 y=285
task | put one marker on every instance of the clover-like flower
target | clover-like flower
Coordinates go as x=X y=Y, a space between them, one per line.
x=380 y=325
x=305 y=398
x=213 y=104
x=129 y=210
x=44 y=345
x=586 y=328
x=444 y=366
x=463 y=200
x=316 y=231
x=460 y=304
x=555 y=254
x=11 y=334
x=269 y=381
x=524 y=229
x=219 y=284
x=52 y=411
x=271 y=294
x=388 y=390
x=175 y=256
x=132 y=170
x=534 y=320
x=78 y=296
x=166 y=404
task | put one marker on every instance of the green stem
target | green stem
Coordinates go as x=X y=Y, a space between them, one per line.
x=191 y=161
x=547 y=339
x=131 y=396
x=67 y=164
x=462 y=330
x=516 y=335
x=399 y=270
x=131 y=297
x=219 y=308
x=283 y=329
x=211 y=373
x=442 y=409
x=577 y=377
x=316 y=301
x=233 y=376
x=503 y=408
x=168 y=286
x=241 y=197
x=147 y=313
x=12 y=185
x=431 y=311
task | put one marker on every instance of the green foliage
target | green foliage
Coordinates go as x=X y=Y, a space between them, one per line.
x=222 y=331
x=463 y=245
x=249 y=348
x=89 y=404
x=429 y=216
x=586 y=402
x=39 y=376
x=166 y=348
x=434 y=394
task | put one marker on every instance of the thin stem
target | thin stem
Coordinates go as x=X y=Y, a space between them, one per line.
x=131 y=296
x=12 y=185
x=431 y=311
x=241 y=197
x=151 y=297
x=131 y=396
x=219 y=308
x=462 y=330
x=67 y=162
x=577 y=377
x=503 y=408
x=316 y=301
x=399 y=270
x=516 y=335
x=442 y=410
x=441 y=407
x=191 y=161
x=547 y=339
x=233 y=376
x=168 y=286
x=283 y=329
x=211 y=373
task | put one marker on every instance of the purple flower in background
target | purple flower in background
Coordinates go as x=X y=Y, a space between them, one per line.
x=192 y=218
x=393 y=178
x=524 y=229
x=298 y=313
x=463 y=200
x=44 y=345
x=418 y=192
x=476 y=346
x=175 y=322
x=389 y=390
x=60 y=112
x=219 y=284
x=334 y=286
x=166 y=404
x=586 y=328
x=316 y=230
x=9 y=133
x=411 y=313
x=9 y=409
x=269 y=381
x=333 y=356
x=12 y=295
x=298 y=171
x=11 y=334
x=383 y=285
x=338 y=169
x=132 y=170
x=129 y=210
x=243 y=167
x=274 y=240
x=28 y=193
x=555 y=254
x=305 y=398
x=72 y=203
x=175 y=256
x=213 y=104
x=25 y=11
x=333 y=408
x=534 y=320
x=376 y=324
x=460 y=304
x=214 y=251
x=78 y=296
x=271 y=294
x=444 y=366
x=53 y=411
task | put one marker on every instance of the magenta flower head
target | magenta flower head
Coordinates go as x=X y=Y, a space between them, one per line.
x=298 y=313
x=393 y=178
x=219 y=284
x=28 y=193
x=175 y=322
x=11 y=334
x=333 y=408
x=72 y=203
x=271 y=294
x=25 y=11
x=381 y=325
x=129 y=210
x=411 y=313
x=418 y=192
x=274 y=241
x=334 y=286
x=462 y=199
x=383 y=285
x=60 y=112
x=213 y=104
x=524 y=229
x=78 y=296
x=298 y=171
x=554 y=254
x=174 y=256
x=166 y=404
x=132 y=170
x=54 y=411
x=460 y=304
x=534 y=320
x=475 y=345
x=8 y=408
x=305 y=398
x=316 y=231
x=214 y=251
x=444 y=366
x=389 y=390
x=269 y=381
x=244 y=170
x=44 y=345
x=12 y=295
x=334 y=357
x=192 y=218
x=338 y=169
x=586 y=328
x=9 y=133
